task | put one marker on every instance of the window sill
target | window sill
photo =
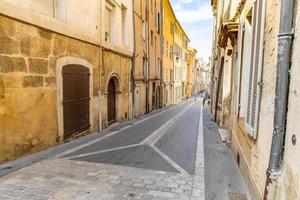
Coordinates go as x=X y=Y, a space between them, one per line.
x=241 y=126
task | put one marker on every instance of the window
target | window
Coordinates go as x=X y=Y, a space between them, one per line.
x=124 y=26
x=158 y=65
x=158 y=22
x=152 y=38
x=145 y=67
x=186 y=57
x=254 y=86
x=60 y=9
x=144 y=30
x=167 y=48
x=171 y=74
x=108 y=24
x=151 y=6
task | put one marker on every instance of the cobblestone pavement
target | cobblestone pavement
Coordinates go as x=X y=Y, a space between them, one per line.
x=73 y=178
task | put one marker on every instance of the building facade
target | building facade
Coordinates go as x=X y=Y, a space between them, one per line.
x=64 y=71
x=180 y=61
x=154 y=82
x=175 y=57
x=168 y=57
x=141 y=58
x=68 y=68
x=190 y=75
x=148 y=87
x=253 y=91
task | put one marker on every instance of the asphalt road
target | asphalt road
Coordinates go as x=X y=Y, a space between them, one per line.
x=171 y=133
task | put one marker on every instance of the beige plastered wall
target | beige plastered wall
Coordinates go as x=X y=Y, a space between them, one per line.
x=289 y=187
x=254 y=154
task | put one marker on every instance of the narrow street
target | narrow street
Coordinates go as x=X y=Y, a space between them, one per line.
x=154 y=157
x=157 y=156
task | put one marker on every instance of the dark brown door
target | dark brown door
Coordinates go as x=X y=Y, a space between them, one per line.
x=111 y=102
x=76 y=99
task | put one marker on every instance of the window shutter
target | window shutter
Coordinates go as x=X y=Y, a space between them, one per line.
x=254 y=91
x=158 y=22
x=240 y=62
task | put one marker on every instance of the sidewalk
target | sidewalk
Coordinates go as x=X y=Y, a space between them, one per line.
x=223 y=180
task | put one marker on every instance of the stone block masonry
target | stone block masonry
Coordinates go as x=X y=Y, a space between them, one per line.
x=30 y=85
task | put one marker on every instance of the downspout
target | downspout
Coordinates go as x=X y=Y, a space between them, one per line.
x=174 y=60
x=285 y=38
x=133 y=61
x=161 y=103
x=148 y=57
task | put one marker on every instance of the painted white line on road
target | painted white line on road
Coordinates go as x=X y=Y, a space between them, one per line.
x=169 y=160
x=152 y=139
x=114 y=132
x=103 y=151
x=198 y=190
x=156 y=135
x=89 y=143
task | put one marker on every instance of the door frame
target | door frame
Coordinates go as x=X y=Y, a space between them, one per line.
x=60 y=63
x=117 y=80
x=109 y=104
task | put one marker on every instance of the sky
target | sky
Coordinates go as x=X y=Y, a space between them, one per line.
x=196 y=18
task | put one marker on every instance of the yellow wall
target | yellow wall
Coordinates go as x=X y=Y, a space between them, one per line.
x=168 y=20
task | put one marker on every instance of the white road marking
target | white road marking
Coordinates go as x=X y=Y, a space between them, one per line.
x=103 y=151
x=169 y=160
x=198 y=191
x=156 y=135
x=112 y=133
x=150 y=140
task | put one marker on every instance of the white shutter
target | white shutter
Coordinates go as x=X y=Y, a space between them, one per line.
x=239 y=62
x=254 y=91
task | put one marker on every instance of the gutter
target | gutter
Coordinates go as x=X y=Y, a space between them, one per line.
x=285 y=39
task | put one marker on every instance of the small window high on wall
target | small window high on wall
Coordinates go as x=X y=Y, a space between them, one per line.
x=108 y=22
x=44 y=7
x=60 y=10
x=124 y=26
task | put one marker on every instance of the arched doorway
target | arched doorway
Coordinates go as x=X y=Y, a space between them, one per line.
x=111 y=101
x=76 y=99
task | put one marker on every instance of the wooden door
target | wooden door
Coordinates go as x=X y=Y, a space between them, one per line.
x=76 y=99
x=111 y=101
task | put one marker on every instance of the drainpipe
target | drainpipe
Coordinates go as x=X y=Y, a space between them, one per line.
x=133 y=61
x=162 y=84
x=148 y=57
x=285 y=38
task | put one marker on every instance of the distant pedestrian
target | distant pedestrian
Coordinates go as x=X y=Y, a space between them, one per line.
x=205 y=95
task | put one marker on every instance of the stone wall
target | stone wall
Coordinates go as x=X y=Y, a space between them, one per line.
x=28 y=87
x=253 y=154
x=116 y=66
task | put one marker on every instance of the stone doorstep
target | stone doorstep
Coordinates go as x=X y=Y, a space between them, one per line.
x=223 y=134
